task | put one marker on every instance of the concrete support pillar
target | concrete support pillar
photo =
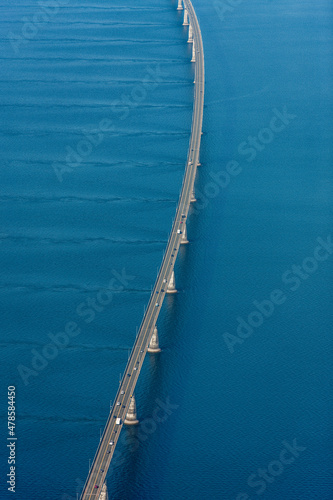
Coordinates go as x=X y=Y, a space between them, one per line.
x=193 y=52
x=172 y=284
x=190 y=34
x=185 y=23
x=104 y=493
x=154 y=344
x=184 y=239
x=193 y=198
x=180 y=5
x=131 y=417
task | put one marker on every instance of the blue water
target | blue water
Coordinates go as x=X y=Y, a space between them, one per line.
x=62 y=241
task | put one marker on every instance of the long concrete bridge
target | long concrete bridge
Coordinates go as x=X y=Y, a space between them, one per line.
x=123 y=409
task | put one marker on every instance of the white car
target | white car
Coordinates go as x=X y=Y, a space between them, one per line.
x=118 y=404
x=111 y=443
x=122 y=392
x=179 y=231
x=157 y=304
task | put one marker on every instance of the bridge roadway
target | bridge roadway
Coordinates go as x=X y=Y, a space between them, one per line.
x=104 y=453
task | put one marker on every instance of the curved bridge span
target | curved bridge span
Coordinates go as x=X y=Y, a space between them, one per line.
x=118 y=412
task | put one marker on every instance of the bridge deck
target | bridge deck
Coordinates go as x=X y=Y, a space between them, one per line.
x=103 y=457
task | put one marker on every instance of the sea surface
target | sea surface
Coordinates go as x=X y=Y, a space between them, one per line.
x=96 y=106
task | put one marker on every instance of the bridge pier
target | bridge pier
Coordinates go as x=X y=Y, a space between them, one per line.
x=154 y=344
x=180 y=5
x=131 y=417
x=190 y=34
x=193 y=52
x=184 y=240
x=104 y=493
x=193 y=198
x=172 y=284
x=185 y=23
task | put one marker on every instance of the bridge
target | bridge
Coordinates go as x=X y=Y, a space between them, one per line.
x=124 y=409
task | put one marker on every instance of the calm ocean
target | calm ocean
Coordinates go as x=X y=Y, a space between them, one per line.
x=96 y=102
